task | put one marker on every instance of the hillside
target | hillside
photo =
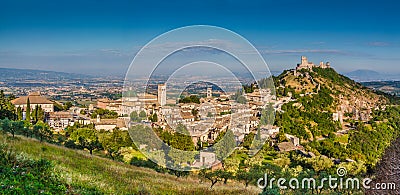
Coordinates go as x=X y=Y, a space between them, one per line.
x=86 y=174
x=325 y=102
x=336 y=117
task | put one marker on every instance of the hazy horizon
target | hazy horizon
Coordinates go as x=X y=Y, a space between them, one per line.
x=101 y=38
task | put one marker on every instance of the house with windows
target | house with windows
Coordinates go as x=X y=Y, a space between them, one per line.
x=35 y=99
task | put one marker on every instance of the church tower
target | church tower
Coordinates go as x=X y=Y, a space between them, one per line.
x=209 y=92
x=162 y=94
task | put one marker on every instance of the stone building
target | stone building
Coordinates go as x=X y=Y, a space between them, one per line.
x=305 y=64
x=209 y=92
x=60 y=120
x=35 y=99
x=162 y=94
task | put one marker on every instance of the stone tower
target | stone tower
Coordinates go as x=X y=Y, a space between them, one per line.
x=162 y=94
x=304 y=61
x=209 y=92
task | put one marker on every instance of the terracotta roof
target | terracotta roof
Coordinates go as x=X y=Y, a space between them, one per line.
x=105 y=100
x=105 y=122
x=60 y=115
x=286 y=146
x=33 y=99
x=187 y=115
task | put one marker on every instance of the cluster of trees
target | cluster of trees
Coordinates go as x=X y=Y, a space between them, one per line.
x=313 y=115
x=40 y=130
x=66 y=106
x=36 y=115
x=158 y=140
x=32 y=116
x=7 y=109
x=249 y=88
x=153 y=118
x=11 y=120
x=104 y=114
x=86 y=137
x=367 y=142
x=190 y=99
x=332 y=75
x=135 y=117
x=77 y=136
x=238 y=97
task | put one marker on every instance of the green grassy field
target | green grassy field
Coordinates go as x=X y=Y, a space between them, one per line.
x=78 y=168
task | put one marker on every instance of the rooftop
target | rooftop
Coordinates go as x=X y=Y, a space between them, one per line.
x=34 y=98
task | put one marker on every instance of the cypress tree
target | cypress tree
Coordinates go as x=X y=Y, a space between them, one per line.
x=28 y=111
x=19 y=113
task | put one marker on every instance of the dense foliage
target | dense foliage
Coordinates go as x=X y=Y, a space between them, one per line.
x=7 y=109
x=315 y=116
x=190 y=99
x=104 y=114
x=21 y=175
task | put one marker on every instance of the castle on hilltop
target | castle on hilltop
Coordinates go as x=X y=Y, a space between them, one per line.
x=305 y=64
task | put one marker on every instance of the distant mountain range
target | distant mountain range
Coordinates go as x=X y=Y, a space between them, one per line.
x=370 y=75
x=7 y=74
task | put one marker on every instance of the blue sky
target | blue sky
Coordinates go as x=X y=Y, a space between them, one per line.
x=102 y=37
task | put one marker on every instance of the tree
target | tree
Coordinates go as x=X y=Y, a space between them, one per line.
x=231 y=164
x=28 y=111
x=27 y=129
x=7 y=109
x=225 y=175
x=135 y=117
x=2 y=99
x=320 y=163
x=180 y=158
x=142 y=114
x=38 y=114
x=212 y=176
x=16 y=126
x=209 y=114
x=248 y=140
x=113 y=141
x=6 y=125
x=104 y=114
x=250 y=175
x=181 y=139
x=195 y=112
x=42 y=131
x=86 y=138
x=19 y=113
x=153 y=118
x=190 y=99
x=12 y=127
x=35 y=114
x=68 y=105
x=267 y=115
x=224 y=147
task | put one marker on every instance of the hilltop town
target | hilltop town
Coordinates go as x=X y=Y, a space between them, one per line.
x=210 y=113
x=311 y=119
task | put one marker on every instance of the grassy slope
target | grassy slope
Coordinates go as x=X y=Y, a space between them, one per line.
x=110 y=177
